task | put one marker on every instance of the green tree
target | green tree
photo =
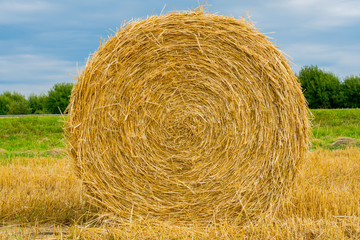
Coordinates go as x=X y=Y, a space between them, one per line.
x=59 y=97
x=13 y=103
x=321 y=89
x=4 y=103
x=38 y=103
x=19 y=107
x=351 y=88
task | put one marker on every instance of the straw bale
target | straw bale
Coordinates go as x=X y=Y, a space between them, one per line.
x=187 y=116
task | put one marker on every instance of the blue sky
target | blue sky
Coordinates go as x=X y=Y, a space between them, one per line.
x=43 y=42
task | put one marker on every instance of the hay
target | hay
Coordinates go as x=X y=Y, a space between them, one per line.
x=343 y=141
x=187 y=117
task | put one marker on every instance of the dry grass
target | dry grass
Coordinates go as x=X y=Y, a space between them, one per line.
x=323 y=204
x=187 y=117
x=40 y=189
x=328 y=186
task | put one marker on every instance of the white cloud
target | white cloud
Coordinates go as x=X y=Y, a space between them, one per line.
x=323 y=13
x=297 y=14
x=23 y=11
x=310 y=31
x=341 y=60
x=28 y=73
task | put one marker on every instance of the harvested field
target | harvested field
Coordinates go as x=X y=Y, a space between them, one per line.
x=324 y=203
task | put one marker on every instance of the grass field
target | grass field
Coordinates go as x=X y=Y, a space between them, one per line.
x=31 y=136
x=328 y=125
x=43 y=136
x=40 y=198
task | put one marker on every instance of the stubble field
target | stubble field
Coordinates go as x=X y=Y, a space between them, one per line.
x=40 y=198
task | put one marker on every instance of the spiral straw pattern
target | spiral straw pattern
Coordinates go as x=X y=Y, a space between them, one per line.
x=187 y=116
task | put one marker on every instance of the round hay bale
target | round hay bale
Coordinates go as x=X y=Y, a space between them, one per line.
x=186 y=117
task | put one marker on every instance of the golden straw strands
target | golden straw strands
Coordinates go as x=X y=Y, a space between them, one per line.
x=185 y=117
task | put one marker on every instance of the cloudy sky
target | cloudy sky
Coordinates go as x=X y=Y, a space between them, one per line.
x=43 y=42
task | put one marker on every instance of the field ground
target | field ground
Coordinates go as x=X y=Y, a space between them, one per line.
x=40 y=198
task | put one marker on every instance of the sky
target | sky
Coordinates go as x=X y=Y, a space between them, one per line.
x=44 y=42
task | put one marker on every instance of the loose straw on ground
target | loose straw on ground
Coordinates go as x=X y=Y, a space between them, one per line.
x=185 y=117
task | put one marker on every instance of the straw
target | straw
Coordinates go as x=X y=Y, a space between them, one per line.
x=186 y=117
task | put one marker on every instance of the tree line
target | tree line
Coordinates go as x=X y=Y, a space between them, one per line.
x=324 y=90
x=54 y=102
x=321 y=89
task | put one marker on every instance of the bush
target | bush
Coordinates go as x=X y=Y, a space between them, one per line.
x=13 y=103
x=4 y=103
x=38 y=103
x=321 y=89
x=351 y=91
